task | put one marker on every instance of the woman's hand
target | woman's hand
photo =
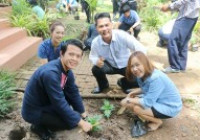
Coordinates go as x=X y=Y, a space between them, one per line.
x=134 y=93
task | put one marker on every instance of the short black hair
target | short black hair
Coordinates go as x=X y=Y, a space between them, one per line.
x=74 y=42
x=125 y=8
x=101 y=15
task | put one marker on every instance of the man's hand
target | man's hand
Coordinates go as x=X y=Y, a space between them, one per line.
x=100 y=62
x=84 y=115
x=165 y=8
x=86 y=126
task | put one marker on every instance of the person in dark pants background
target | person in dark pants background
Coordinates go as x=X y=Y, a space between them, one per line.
x=181 y=33
x=115 y=4
x=86 y=8
x=92 y=33
x=109 y=53
x=129 y=20
x=51 y=99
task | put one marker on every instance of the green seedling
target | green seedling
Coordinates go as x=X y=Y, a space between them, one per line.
x=95 y=122
x=107 y=108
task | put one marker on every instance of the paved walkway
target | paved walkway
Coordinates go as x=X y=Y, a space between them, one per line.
x=188 y=82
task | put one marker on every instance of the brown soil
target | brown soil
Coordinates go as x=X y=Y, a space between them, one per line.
x=186 y=126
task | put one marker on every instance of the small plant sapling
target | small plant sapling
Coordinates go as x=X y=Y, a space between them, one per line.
x=107 y=108
x=95 y=122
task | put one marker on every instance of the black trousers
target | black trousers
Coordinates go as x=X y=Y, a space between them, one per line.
x=115 y=6
x=52 y=122
x=100 y=75
x=86 y=8
x=126 y=27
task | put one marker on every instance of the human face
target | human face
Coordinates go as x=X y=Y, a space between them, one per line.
x=57 y=34
x=127 y=14
x=137 y=68
x=72 y=57
x=104 y=27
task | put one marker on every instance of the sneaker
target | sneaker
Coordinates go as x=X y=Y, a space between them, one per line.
x=171 y=70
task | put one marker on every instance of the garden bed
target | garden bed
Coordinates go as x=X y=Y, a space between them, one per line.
x=186 y=126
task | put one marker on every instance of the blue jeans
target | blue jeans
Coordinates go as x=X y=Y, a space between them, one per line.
x=178 y=42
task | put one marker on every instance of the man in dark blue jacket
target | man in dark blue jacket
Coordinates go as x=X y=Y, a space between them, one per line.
x=51 y=93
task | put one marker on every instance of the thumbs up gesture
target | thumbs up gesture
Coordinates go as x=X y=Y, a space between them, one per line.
x=100 y=62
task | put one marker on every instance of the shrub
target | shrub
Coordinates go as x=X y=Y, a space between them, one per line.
x=22 y=16
x=7 y=87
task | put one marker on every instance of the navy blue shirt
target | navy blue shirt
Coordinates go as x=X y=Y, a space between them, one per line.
x=52 y=90
x=47 y=51
x=132 y=19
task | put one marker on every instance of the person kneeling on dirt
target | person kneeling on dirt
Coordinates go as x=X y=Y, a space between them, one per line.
x=157 y=98
x=109 y=53
x=51 y=93
x=129 y=20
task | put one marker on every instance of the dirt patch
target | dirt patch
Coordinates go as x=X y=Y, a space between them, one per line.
x=186 y=126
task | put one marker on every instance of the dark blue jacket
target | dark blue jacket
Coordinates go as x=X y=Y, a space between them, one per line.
x=49 y=90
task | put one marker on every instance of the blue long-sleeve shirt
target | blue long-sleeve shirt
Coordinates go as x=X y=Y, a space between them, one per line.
x=161 y=93
x=52 y=90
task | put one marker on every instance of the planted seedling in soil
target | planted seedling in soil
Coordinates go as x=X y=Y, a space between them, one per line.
x=107 y=108
x=96 y=127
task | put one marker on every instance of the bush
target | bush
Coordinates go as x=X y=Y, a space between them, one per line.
x=22 y=16
x=152 y=17
x=7 y=87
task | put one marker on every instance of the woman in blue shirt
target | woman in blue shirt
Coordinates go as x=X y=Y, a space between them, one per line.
x=49 y=49
x=157 y=98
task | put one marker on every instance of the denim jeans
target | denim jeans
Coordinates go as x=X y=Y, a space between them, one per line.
x=178 y=42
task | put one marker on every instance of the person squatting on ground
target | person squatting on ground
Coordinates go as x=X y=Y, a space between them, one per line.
x=164 y=33
x=110 y=52
x=36 y=8
x=181 y=32
x=157 y=98
x=49 y=49
x=129 y=20
x=131 y=3
x=92 y=33
x=51 y=93
x=72 y=6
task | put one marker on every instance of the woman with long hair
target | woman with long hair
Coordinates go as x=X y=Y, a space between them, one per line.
x=157 y=98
